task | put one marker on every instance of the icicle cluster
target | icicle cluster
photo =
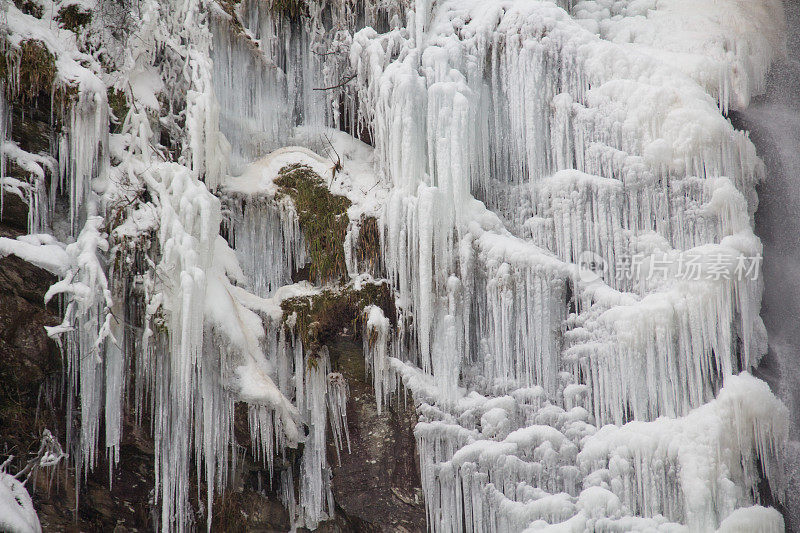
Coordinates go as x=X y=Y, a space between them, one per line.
x=580 y=148
x=522 y=152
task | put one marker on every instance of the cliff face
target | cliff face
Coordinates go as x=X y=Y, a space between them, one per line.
x=376 y=486
x=531 y=300
x=31 y=399
x=30 y=364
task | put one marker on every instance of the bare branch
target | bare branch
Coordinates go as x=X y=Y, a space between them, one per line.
x=343 y=83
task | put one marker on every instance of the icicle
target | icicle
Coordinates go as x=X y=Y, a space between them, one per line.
x=84 y=153
x=315 y=489
x=87 y=325
x=268 y=242
x=376 y=350
x=338 y=393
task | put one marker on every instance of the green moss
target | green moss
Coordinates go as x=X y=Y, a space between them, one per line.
x=29 y=7
x=29 y=71
x=291 y=9
x=368 y=247
x=118 y=103
x=159 y=322
x=323 y=220
x=320 y=319
x=73 y=18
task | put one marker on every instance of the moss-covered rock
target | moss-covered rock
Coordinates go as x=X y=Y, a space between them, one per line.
x=29 y=7
x=323 y=220
x=118 y=103
x=73 y=18
x=318 y=320
x=27 y=72
x=368 y=245
x=291 y=9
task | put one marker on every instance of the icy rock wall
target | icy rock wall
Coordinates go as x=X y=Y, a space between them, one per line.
x=148 y=282
x=430 y=87
x=80 y=154
x=511 y=139
x=297 y=70
x=575 y=145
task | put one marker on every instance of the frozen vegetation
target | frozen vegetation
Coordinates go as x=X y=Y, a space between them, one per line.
x=233 y=184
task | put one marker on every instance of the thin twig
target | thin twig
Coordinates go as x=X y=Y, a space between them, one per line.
x=343 y=83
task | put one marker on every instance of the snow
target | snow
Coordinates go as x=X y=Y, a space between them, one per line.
x=726 y=47
x=709 y=454
x=521 y=152
x=356 y=180
x=145 y=85
x=757 y=519
x=17 y=514
x=41 y=250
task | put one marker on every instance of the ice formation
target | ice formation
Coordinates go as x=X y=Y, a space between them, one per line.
x=521 y=152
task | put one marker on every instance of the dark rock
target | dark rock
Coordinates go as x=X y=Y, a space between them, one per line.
x=29 y=360
x=31 y=386
x=14 y=215
x=377 y=485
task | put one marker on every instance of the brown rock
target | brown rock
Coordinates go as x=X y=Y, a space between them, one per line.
x=377 y=486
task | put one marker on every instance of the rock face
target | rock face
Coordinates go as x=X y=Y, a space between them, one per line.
x=28 y=359
x=377 y=484
x=376 y=487
x=31 y=381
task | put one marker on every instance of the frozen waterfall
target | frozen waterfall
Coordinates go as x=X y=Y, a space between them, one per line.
x=535 y=216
